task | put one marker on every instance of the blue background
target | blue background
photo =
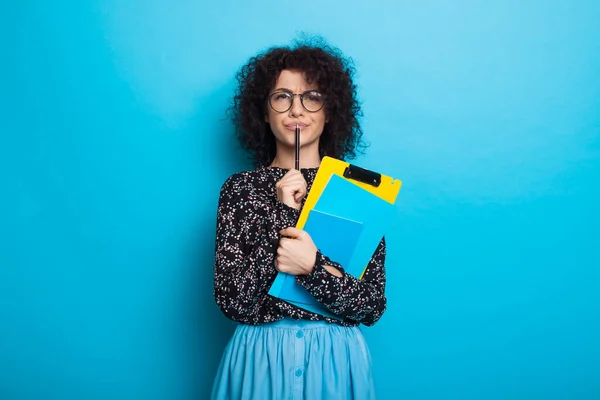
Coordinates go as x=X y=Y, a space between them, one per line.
x=113 y=146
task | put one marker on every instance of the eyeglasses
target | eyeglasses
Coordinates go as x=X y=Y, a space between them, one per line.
x=281 y=101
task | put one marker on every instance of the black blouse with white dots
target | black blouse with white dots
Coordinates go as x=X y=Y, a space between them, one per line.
x=249 y=219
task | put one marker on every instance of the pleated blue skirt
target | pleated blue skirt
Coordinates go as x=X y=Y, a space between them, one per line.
x=292 y=359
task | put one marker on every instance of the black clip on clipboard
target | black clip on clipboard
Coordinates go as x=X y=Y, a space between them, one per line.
x=362 y=175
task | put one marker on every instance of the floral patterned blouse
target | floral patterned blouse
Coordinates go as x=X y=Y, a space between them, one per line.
x=249 y=219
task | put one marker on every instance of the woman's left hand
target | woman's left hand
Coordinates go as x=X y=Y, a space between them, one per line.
x=297 y=252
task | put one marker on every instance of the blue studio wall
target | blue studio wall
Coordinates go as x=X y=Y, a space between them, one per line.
x=113 y=147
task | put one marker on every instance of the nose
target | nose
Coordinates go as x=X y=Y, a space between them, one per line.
x=297 y=109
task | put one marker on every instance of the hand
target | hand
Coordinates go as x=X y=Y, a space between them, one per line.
x=297 y=252
x=291 y=189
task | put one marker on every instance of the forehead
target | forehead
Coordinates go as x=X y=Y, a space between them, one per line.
x=293 y=80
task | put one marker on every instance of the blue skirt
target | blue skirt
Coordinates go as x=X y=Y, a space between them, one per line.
x=295 y=359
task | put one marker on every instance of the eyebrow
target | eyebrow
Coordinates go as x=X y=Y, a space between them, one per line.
x=290 y=91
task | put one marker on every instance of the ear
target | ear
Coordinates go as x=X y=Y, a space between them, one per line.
x=267 y=118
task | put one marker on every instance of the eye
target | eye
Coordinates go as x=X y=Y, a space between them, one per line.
x=281 y=96
x=313 y=96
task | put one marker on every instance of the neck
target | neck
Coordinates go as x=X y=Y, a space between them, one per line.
x=286 y=157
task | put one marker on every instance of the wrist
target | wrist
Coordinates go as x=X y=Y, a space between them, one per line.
x=333 y=270
x=290 y=204
x=310 y=266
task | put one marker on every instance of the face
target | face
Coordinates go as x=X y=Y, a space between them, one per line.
x=283 y=124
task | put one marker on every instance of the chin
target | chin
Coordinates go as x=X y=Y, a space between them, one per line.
x=288 y=138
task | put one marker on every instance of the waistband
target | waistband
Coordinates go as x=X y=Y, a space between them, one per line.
x=290 y=323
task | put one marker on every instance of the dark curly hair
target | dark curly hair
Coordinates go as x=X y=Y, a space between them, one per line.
x=323 y=65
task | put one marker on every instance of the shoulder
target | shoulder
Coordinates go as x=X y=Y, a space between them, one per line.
x=245 y=181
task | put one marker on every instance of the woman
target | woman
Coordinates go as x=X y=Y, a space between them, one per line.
x=280 y=351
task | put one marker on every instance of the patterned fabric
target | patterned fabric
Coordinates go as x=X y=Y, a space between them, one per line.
x=249 y=219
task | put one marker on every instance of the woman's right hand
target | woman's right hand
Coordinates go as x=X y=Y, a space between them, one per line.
x=291 y=189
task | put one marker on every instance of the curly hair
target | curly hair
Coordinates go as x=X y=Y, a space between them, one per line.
x=322 y=65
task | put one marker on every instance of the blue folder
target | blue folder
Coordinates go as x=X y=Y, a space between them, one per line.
x=346 y=225
x=344 y=199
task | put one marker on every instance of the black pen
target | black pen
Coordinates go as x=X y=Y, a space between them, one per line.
x=297 y=147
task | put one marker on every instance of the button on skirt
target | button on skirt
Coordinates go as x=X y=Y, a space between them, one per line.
x=295 y=359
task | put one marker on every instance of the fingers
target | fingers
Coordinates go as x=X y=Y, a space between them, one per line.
x=280 y=261
x=296 y=253
x=293 y=176
x=292 y=183
x=283 y=255
x=291 y=232
x=281 y=267
x=278 y=264
x=292 y=188
x=284 y=264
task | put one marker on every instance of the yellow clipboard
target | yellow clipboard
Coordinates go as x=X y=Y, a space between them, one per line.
x=385 y=188
x=368 y=195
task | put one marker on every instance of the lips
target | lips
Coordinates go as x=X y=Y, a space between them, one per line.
x=293 y=126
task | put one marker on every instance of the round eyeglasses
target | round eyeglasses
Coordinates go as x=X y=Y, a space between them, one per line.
x=312 y=101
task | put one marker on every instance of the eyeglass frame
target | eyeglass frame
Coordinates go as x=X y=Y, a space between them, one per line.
x=293 y=96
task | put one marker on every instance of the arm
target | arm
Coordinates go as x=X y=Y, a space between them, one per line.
x=248 y=226
x=361 y=300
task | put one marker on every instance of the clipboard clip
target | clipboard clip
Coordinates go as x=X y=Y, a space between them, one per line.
x=362 y=175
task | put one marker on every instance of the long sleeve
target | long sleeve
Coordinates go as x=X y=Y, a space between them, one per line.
x=248 y=225
x=360 y=300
